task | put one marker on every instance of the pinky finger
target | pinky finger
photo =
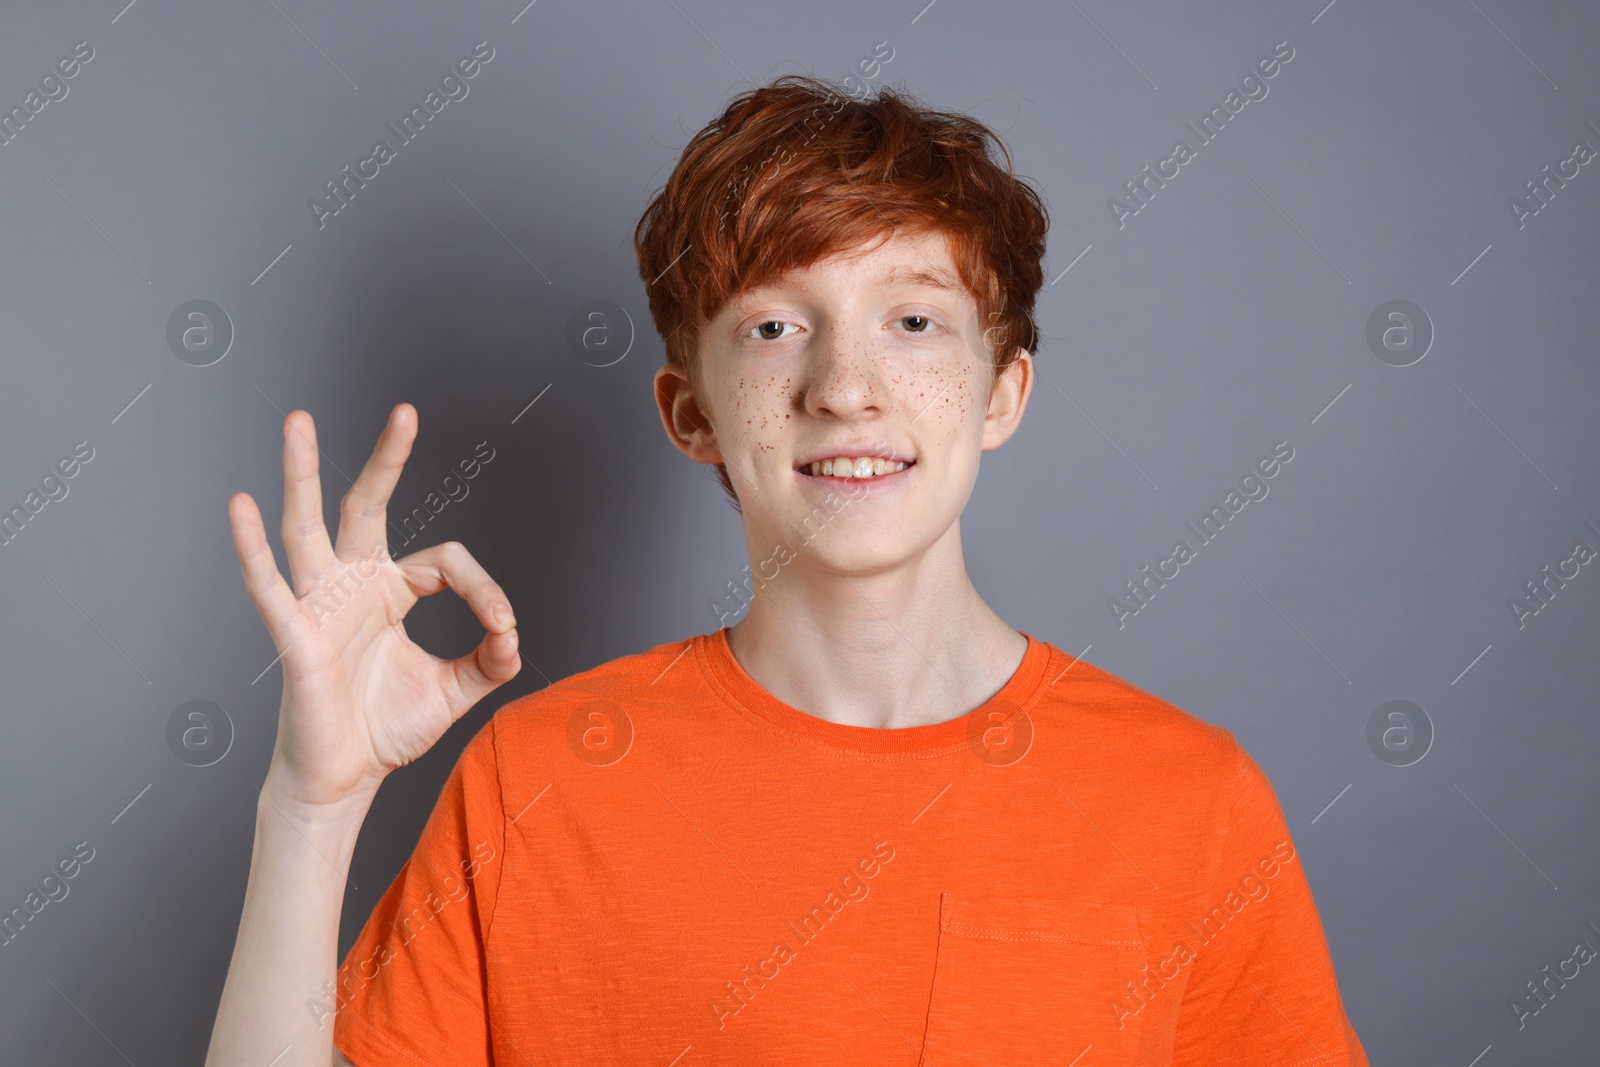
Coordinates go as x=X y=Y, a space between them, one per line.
x=275 y=602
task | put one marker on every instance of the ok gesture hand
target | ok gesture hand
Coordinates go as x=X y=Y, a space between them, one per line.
x=359 y=697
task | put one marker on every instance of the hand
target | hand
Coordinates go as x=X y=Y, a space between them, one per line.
x=359 y=697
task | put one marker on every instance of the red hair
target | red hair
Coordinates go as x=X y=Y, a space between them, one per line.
x=795 y=171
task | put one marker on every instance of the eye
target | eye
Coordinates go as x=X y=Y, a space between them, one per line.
x=762 y=331
x=922 y=323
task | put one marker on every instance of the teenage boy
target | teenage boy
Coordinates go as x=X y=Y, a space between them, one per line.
x=868 y=823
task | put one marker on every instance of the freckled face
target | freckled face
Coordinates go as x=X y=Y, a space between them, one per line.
x=877 y=352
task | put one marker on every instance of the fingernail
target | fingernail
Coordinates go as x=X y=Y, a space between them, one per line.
x=502 y=615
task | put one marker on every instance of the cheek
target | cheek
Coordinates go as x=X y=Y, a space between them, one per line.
x=946 y=396
x=761 y=409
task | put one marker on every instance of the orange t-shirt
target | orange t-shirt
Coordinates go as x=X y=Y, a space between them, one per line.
x=657 y=862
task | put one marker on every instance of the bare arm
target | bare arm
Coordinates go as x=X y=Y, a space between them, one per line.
x=359 y=699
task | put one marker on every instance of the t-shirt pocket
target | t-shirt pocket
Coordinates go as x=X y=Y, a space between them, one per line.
x=1033 y=980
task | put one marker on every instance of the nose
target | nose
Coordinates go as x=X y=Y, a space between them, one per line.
x=846 y=376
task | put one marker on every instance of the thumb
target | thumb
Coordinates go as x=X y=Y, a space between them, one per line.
x=486 y=668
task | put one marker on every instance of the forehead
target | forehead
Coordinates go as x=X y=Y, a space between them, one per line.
x=922 y=259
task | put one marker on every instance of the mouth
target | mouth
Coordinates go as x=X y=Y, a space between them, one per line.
x=855 y=468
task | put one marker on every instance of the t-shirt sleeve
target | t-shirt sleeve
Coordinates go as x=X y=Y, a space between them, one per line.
x=413 y=988
x=1262 y=988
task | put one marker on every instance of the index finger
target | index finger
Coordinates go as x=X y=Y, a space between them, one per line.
x=363 y=513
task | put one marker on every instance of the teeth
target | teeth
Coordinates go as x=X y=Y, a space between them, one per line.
x=855 y=467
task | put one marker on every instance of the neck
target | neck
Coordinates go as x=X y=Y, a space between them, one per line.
x=907 y=646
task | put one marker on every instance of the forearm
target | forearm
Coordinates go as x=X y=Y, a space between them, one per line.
x=277 y=1000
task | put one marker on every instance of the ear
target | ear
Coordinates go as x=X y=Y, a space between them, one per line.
x=1007 y=400
x=687 y=426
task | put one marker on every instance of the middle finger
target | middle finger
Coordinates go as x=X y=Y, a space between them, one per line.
x=305 y=537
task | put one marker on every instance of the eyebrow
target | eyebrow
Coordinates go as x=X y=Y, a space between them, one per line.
x=937 y=279
x=932 y=277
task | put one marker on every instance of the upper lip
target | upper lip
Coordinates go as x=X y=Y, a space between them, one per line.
x=855 y=450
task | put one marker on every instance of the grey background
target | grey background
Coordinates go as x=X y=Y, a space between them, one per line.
x=1229 y=314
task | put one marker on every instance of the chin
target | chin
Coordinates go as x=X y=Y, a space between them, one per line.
x=860 y=551
x=863 y=566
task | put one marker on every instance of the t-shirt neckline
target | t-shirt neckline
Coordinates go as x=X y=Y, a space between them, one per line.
x=746 y=695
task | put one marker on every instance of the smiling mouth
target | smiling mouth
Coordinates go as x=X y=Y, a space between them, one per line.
x=862 y=467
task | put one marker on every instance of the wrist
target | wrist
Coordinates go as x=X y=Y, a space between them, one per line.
x=312 y=808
